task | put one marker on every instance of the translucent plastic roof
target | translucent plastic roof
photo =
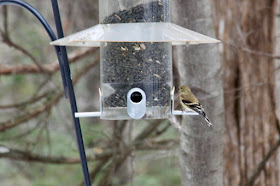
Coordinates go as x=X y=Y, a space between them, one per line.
x=134 y=32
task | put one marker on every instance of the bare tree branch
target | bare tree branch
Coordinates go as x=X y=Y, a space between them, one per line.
x=20 y=155
x=5 y=17
x=115 y=165
x=49 y=68
x=15 y=154
x=97 y=169
x=23 y=134
x=262 y=164
x=30 y=101
x=159 y=132
x=40 y=109
x=31 y=114
x=148 y=131
x=249 y=51
x=152 y=145
x=10 y=43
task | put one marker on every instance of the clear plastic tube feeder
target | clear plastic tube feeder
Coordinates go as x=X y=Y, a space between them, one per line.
x=135 y=39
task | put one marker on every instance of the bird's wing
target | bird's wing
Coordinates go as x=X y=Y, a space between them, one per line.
x=194 y=106
x=189 y=97
x=192 y=103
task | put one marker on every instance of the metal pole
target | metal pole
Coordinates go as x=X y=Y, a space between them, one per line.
x=65 y=72
x=71 y=95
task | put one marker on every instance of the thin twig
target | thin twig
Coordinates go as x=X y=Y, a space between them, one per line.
x=248 y=87
x=15 y=154
x=262 y=164
x=249 y=51
x=148 y=131
x=10 y=43
x=31 y=114
x=107 y=178
x=49 y=68
x=34 y=113
x=97 y=169
x=151 y=145
x=21 y=135
x=161 y=131
x=5 y=17
x=42 y=85
x=30 y=101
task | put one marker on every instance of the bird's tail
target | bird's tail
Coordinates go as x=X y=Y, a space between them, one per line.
x=206 y=119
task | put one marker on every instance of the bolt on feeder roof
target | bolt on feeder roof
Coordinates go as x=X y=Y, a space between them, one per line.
x=135 y=39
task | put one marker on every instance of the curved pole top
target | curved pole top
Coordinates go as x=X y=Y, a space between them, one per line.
x=34 y=12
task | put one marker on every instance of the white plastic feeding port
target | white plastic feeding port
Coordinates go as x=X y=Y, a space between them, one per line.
x=136 y=103
x=135 y=39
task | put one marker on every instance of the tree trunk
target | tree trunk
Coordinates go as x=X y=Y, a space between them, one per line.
x=277 y=70
x=277 y=61
x=199 y=67
x=247 y=30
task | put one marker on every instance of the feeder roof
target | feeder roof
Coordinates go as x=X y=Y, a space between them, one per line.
x=134 y=32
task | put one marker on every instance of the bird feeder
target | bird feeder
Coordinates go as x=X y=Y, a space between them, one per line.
x=135 y=39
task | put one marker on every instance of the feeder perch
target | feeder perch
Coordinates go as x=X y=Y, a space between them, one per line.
x=135 y=39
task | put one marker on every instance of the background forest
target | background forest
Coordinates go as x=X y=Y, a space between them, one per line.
x=237 y=82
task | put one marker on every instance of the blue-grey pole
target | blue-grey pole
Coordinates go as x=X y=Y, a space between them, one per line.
x=65 y=73
x=71 y=95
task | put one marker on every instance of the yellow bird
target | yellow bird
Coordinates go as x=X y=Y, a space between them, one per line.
x=189 y=101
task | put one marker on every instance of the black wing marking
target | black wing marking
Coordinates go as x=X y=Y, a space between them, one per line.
x=196 y=107
x=186 y=102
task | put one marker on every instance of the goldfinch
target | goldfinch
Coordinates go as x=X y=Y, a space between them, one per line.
x=189 y=101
